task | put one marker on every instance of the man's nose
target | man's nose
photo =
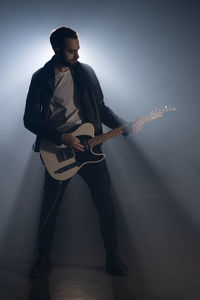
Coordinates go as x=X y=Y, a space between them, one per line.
x=77 y=55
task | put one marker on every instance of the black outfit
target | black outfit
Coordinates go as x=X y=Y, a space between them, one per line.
x=37 y=110
x=36 y=119
x=97 y=178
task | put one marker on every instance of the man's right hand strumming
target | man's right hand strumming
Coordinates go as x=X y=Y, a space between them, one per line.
x=72 y=141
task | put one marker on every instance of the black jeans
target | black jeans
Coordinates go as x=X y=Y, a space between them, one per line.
x=97 y=177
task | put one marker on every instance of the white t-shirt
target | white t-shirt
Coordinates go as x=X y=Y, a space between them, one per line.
x=65 y=96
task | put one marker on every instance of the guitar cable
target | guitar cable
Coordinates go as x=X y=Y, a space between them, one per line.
x=51 y=209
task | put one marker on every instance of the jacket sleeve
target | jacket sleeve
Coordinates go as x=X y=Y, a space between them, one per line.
x=108 y=117
x=33 y=120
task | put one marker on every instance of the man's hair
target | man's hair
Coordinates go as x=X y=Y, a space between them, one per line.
x=57 y=37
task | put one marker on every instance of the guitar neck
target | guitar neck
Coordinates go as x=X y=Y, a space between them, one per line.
x=122 y=129
x=105 y=136
x=115 y=132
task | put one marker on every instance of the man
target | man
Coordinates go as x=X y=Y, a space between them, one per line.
x=62 y=95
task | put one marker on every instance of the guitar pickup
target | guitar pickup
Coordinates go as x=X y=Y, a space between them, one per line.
x=64 y=154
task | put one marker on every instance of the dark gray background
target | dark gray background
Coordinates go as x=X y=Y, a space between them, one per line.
x=146 y=56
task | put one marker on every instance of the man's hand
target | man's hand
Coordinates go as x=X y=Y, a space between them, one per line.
x=137 y=125
x=71 y=141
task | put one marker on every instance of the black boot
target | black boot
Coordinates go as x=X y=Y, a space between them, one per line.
x=114 y=265
x=41 y=268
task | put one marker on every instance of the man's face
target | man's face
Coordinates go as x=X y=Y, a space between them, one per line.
x=68 y=56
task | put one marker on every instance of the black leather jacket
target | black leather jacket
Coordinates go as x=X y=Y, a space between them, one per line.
x=37 y=109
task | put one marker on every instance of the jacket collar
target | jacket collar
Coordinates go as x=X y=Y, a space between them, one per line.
x=78 y=73
x=49 y=72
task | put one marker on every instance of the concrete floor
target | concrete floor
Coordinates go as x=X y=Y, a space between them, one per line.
x=90 y=282
x=158 y=242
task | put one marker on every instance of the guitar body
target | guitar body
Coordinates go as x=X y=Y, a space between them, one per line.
x=62 y=162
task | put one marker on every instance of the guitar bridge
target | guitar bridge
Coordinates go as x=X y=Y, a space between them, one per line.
x=67 y=168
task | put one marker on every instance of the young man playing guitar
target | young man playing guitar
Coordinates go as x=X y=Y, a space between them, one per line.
x=63 y=95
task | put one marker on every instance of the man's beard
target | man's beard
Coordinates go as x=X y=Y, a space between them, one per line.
x=64 y=62
x=67 y=63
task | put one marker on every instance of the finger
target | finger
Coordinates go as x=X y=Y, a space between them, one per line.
x=79 y=145
x=79 y=148
x=76 y=139
x=137 y=127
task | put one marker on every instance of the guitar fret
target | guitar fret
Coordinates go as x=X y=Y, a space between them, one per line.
x=105 y=136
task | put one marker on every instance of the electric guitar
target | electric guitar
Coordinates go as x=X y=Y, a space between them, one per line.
x=62 y=162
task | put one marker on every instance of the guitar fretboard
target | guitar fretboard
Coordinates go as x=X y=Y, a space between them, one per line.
x=105 y=136
x=120 y=130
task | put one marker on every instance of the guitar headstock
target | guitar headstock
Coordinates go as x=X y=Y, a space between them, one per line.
x=158 y=112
